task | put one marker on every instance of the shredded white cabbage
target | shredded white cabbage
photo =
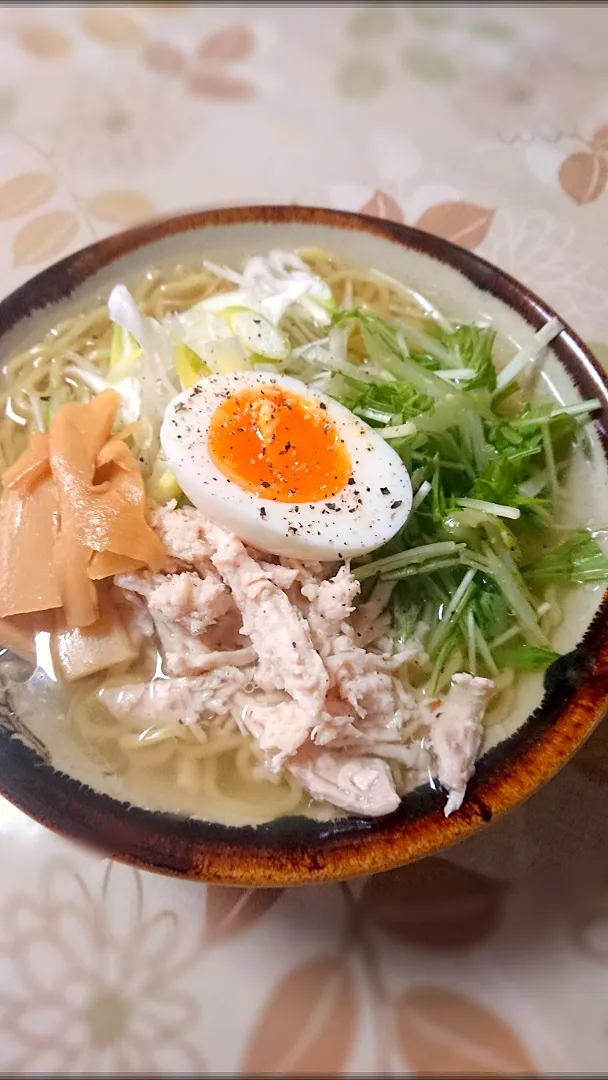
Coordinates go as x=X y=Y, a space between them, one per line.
x=244 y=331
x=153 y=382
x=230 y=332
x=201 y=329
x=272 y=285
x=128 y=388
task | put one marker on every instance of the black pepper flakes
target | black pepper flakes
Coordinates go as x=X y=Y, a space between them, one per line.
x=384 y=491
x=263 y=511
x=396 y=503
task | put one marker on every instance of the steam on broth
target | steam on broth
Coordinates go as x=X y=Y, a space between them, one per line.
x=457 y=602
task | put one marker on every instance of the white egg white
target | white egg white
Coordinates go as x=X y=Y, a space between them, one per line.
x=364 y=515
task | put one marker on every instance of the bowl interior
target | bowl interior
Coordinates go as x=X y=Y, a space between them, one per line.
x=441 y=273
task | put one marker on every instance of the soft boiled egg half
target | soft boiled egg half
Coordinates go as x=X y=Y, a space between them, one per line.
x=285 y=468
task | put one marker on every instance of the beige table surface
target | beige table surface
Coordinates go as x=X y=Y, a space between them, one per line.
x=489 y=126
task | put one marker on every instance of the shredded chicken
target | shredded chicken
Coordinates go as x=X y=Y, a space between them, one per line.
x=175 y=701
x=135 y=615
x=333 y=599
x=183 y=534
x=456 y=734
x=194 y=602
x=356 y=676
x=362 y=785
x=283 y=576
x=371 y=619
x=279 y=729
x=305 y=571
x=186 y=654
x=276 y=630
x=182 y=606
x=324 y=699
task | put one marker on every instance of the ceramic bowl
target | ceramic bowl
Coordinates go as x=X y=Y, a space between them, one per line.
x=42 y=773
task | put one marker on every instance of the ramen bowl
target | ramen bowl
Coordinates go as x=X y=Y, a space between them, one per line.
x=43 y=771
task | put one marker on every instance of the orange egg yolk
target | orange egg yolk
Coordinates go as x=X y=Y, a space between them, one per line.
x=279 y=445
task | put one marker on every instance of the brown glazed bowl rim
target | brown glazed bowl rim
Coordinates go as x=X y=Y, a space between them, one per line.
x=293 y=851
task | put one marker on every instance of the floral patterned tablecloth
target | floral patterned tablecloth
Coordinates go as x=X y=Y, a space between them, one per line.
x=488 y=125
